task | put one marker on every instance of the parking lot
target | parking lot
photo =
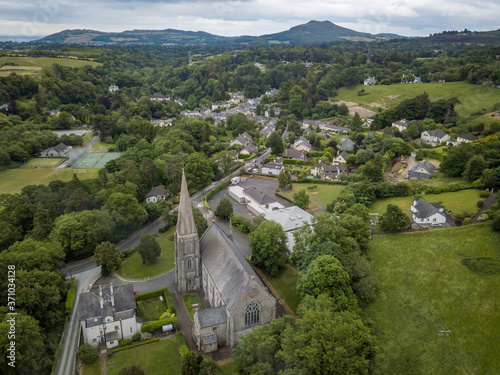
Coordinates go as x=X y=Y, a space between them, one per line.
x=263 y=184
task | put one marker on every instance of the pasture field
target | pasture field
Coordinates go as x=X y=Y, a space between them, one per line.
x=472 y=97
x=45 y=62
x=43 y=162
x=444 y=280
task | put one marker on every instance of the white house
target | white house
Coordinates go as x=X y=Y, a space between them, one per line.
x=290 y=219
x=256 y=201
x=274 y=167
x=112 y=88
x=466 y=138
x=369 y=81
x=341 y=158
x=108 y=314
x=434 y=136
x=401 y=125
x=424 y=212
x=159 y=98
x=61 y=150
x=157 y=193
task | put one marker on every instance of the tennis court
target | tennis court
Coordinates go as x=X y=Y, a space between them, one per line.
x=95 y=159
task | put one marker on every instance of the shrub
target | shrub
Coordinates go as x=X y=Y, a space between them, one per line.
x=496 y=224
x=146 y=336
x=148 y=295
x=184 y=351
x=180 y=339
x=480 y=203
x=467 y=219
x=135 y=345
x=157 y=324
x=484 y=194
x=126 y=253
x=483 y=218
x=136 y=337
x=124 y=342
x=70 y=298
x=162 y=230
x=217 y=190
x=458 y=222
x=168 y=300
x=88 y=354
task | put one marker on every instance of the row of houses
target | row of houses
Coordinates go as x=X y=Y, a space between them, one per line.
x=436 y=136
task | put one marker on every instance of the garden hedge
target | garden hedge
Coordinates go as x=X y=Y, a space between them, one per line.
x=157 y=324
x=180 y=339
x=135 y=345
x=148 y=295
x=70 y=297
x=218 y=189
x=168 y=300
x=184 y=351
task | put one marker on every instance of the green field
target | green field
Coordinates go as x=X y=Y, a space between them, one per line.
x=92 y=369
x=101 y=146
x=133 y=268
x=472 y=97
x=457 y=202
x=229 y=367
x=190 y=300
x=425 y=288
x=33 y=65
x=439 y=179
x=324 y=194
x=285 y=285
x=13 y=180
x=43 y=162
x=151 y=309
x=158 y=358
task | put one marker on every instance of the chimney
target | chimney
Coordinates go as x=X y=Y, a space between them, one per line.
x=230 y=229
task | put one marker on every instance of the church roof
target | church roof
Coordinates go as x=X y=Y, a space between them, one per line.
x=228 y=269
x=212 y=316
x=185 y=221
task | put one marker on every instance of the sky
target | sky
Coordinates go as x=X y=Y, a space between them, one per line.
x=36 y=18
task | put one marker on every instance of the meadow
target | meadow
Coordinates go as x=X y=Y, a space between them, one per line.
x=324 y=194
x=33 y=65
x=472 y=97
x=444 y=280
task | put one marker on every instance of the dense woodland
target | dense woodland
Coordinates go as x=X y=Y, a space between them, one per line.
x=45 y=226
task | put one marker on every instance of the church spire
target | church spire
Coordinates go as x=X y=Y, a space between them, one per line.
x=185 y=221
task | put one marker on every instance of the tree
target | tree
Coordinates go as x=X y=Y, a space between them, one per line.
x=224 y=209
x=148 y=248
x=125 y=210
x=191 y=364
x=372 y=170
x=394 y=219
x=474 y=168
x=106 y=255
x=285 y=180
x=199 y=221
x=456 y=159
x=301 y=199
x=210 y=367
x=356 y=123
x=269 y=249
x=275 y=142
x=225 y=161
x=88 y=354
x=30 y=254
x=343 y=109
x=199 y=173
x=134 y=370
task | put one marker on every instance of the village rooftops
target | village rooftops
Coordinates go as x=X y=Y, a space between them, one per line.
x=157 y=191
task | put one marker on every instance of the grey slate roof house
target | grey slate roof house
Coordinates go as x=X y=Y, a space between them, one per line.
x=424 y=212
x=291 y=153
x=434 y=136
x=60 y=150
x=239 y=300
x=423 y=170
x=156 y=193
x=347 y=144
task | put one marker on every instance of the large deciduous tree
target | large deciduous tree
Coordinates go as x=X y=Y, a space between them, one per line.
x=106 y=255
x=269 y=249
x=394 y=219
x=199 y=173
x=224 y=209
x=148 y=248
x=301 y=199
x=275 y=142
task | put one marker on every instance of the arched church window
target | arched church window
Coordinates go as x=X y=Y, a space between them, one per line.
x=252 y=314
x=189 y=263
x=189 y=247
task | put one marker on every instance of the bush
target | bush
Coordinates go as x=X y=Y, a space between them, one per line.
x=126 y=253
x=217 y=190
x=495 y=225
x=146 y=336
x=157 y=324
x=162 y=230
x=483 y=218
x=70 y=298
x=148 y=295
x=88 y=354
x=168 y=300
x=458 y=222
x=135 y=345
x=136 y=337
x=484 y=194
x=467 y=219
x=124 y=342
x=184 y=351
x=480 y=204
x=180 y=339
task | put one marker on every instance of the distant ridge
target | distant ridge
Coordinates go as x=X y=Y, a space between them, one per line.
x=313 y=32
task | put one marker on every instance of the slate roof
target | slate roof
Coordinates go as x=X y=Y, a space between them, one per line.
x=228 y=269
x=258 y=195
x=294 y=154
x=423 y=170
x=469 y=137
x=402 y=123
x=302 y=141
x=60 y=147
x=424 y=209
x=251 y=148
x=212 y=316
x=290 y=218
x=436 y=133
x=273 y=165
x=185 y=221
x=347 y=144
x=333 y=169
x=157 y=190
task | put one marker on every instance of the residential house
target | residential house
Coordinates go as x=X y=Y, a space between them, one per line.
x=290 y=219
x=5 y=107
x=112 y=88
x=158 y=98
x=369 y=81
x=302 y=144
x=434 y=136
x=424 y=212
x=337 y=129
x=259 y=65
x=341 y=158
x=347 y=143
x=272 y=92
x=277 y=112
x=327 y=171
x=274 y=167
x=108 y=314
x=423 y=170
x=61 y=150
x=291 y=153
x=54 y=112
x=157 y=193
x=267 y=130
x=159 y=122
x=242 y=139
x=466 y=138
x=180 y=101
x=249 y=149
x=401 y=125
x=309 y=64
x=256 y=201
x=238 y=95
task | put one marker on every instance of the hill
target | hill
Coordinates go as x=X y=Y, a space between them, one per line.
x=313 y=32
x=466 y=37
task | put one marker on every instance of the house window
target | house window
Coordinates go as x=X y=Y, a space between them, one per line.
x=190 y=281
x=117 y=328
x=131 y=329
x=434 y=219
x=189 y=263
x=252 y=314
x=111 y=342
x=215 y=329
x=94 y=340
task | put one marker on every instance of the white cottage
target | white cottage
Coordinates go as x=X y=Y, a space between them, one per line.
x=424 y=212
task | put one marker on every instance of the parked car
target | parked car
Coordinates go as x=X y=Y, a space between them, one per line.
x=255 y=170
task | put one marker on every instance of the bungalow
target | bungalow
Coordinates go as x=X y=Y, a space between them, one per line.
x=61 y=150
x=180 y=101
x=157 y=193
x=158 y=98
x=294 y=154
x=274 y=167
x=369 y=81
x=259 y=65
x=401 y=125
x=257 y=202
x=108 y=314
x=302 y=144
x=423 y=170
x=249 y=149
x=466 y=138
x=434 y=136
x=341 y=158
x=337 y=129
x=424 y=212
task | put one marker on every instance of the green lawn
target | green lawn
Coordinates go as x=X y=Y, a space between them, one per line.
x=100 y=146
x=190 y=300
x=13 y=180
x=159 y=358
x=425 y=288
x=93 y=369
x=324 y=194
x=285 y=284
x=229 y=368
x=457 y=202
x=440 y=179
x=133 y=268
x=43 y=162
x=472 y=97
x=151 y=309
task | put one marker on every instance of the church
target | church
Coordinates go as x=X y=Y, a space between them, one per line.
x=238 y=299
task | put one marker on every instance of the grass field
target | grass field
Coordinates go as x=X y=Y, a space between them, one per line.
x=33 y=65
x=457 y=202
x=93 y=369
x=101 y=146
x=13 y=180
x=190 y=300
x=133 y=268
x=158 y=358
x=425 y=288
x=324 y=194
x=151 y=309
x=285 y=284
x=43 y=162
x=439 y=179
x=472 y=97
x=229 y=368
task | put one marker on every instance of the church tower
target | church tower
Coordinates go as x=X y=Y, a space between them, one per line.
x=187 y=245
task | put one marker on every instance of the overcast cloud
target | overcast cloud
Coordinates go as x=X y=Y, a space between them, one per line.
x=246 y=17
